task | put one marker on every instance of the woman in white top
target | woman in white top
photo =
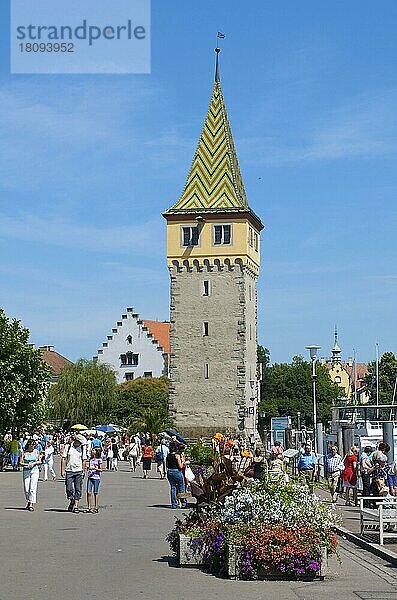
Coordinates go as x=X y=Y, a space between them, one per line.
x=49 y=460
x=30 y=461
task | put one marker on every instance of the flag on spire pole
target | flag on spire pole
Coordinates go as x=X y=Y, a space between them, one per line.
x=220 y=35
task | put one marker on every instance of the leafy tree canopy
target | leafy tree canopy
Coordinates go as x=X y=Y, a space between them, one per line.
x=387 y=378
x=142 y=400
x=23 y=376
x=287 y=389
x=84 y=393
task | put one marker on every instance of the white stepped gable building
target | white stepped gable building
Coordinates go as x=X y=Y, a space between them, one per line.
x=137 y=347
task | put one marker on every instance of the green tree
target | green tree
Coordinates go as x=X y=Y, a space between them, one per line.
x=84 y=393
x=138 y=396
x=152 y=420
x=387 y=378
x=263 y=357
x=23 y=376
x=287 y=388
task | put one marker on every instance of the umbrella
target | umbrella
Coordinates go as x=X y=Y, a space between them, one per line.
x=114 y=426
x=106 y=428
x=79 y=427
x=164 y=434
x=178 y=436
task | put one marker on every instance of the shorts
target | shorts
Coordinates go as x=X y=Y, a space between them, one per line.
x=93 y=485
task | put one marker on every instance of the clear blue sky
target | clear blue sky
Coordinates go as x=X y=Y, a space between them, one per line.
x=89 y=163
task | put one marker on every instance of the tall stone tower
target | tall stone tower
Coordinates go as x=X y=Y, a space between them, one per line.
x=213 y=255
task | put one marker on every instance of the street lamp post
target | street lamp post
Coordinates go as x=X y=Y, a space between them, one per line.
x=313 y=356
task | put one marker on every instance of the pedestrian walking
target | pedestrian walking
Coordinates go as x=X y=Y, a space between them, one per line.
x=277 y=449
x=115 y=455
x=334 y=466
x=392 y=479
x=307 y=464
x=133 y=452
x=94 y=472
x=14 y=453
x=109 y=454
x=73 y=467
x=30 y=461
x=365 y=466
x=147 y=452
x=349 y=475
x=161 y=457
x=259 y=465
x=96 y=442
x=49 y=460
x=174 y=475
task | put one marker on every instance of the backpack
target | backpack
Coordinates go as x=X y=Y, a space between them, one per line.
x=160 y=454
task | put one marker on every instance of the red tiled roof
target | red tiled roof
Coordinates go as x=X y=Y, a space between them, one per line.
x=361 y=370
x=55 y=361
x=161 y=332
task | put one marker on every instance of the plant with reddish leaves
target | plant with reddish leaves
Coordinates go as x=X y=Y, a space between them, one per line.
x=278 y=549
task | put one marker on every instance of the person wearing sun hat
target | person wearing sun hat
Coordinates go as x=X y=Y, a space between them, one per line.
x=73 y=467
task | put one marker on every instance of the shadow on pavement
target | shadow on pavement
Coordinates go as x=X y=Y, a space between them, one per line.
x=160 y=506
x=15 y=508
x=59 y=510
x=171 y=560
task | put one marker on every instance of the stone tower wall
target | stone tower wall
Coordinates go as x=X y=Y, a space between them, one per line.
x=200 y=405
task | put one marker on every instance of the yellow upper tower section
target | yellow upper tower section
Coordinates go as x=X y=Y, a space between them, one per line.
x=212 y=219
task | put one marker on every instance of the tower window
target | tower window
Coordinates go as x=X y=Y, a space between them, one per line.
x=148 y=374
x=190 y=236
x=256 y=241
x=129 y=339
x=206 y=371
x=205 y=328
x=250 y=237
x=338 y=379
x=129 y=376
x=222 y=234
x=206 y=288
x=250 y=292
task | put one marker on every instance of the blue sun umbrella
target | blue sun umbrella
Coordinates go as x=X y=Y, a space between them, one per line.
x=178 y=436
x=106 y=428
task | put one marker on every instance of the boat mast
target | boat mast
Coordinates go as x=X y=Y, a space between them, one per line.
x=377 y=379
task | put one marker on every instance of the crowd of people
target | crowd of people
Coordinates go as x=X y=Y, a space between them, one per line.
x=86 y=456
x=370 y=465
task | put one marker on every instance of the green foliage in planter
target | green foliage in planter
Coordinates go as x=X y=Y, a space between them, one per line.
x=201 y=455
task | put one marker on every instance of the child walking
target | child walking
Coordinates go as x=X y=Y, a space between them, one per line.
x=94 y=471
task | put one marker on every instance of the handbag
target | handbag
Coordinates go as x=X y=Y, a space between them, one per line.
x=189 y=475
x=249 y=471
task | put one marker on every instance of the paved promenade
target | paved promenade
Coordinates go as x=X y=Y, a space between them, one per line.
x=121 y=554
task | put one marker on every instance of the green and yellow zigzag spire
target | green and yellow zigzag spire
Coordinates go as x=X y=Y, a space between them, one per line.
x=214 y=182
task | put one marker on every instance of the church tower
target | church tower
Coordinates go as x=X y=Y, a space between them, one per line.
x=213 y=256
x=336 y=351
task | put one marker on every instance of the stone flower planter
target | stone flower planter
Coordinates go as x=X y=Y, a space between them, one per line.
x=233 y=566
x=190 y=555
